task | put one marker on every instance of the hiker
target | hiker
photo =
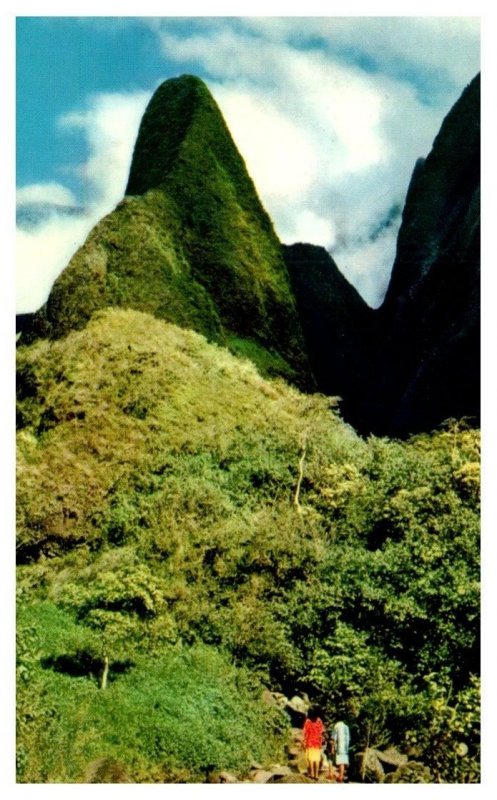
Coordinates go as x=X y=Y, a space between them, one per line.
x=313 y=733
x=340 y=736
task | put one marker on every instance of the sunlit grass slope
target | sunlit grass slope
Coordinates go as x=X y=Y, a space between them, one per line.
x=131 y=399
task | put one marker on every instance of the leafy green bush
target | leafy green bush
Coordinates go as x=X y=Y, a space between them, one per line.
x=449 y=737
x=186 y=712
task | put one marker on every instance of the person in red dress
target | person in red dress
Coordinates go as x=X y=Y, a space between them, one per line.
x=313 y=735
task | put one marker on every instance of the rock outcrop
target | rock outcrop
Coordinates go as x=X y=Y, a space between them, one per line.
x=390 y=766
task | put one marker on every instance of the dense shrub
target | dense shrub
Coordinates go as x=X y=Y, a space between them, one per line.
x=239 y=514
x=185 y=712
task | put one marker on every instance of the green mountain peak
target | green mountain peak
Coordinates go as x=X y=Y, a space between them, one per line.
x=190 y=243
x=176 y=106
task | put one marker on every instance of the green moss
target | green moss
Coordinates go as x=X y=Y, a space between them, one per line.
x=269 y=364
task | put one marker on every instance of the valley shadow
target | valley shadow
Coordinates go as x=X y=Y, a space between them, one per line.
x=84 y=665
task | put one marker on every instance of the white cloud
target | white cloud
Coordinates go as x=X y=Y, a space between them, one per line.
x=41 y=254
x=109 y=125
x=312 y=228
x=282 y=161
x=364 y=256
x=330 y=146
x=438 y=43
x=53 y=193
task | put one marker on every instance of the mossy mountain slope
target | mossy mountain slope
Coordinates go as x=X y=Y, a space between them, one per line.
x=95 y=405
x=189 y=243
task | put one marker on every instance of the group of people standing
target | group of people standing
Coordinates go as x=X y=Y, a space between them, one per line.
x=319 y=744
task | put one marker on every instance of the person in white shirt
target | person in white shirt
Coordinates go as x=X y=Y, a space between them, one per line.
x=340 y=737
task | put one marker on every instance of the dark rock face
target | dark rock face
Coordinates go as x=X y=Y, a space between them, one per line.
x=23 y=322
x=430 y=318
x=414 y=362
x=339 y=327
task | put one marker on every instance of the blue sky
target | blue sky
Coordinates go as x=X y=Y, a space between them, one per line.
x=330 y=114
x=60 y=63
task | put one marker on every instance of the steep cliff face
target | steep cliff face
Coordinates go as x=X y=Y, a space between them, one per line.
x=189 y=243
x=430 y=319
x=339 y=327
x=414 y=362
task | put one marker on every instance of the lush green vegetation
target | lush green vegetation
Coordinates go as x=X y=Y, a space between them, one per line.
x=134 y=258
x=190 y=243
x=178 y=715
x=211 y=532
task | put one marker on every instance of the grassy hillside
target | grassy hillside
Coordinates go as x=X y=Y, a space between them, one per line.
x=202 y=527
